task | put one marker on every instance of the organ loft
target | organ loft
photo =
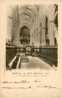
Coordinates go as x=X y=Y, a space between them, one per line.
x=33 y=25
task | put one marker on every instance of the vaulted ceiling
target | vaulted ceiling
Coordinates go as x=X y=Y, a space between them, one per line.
x=28 y=15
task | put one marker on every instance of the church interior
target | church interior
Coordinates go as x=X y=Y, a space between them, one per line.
x=32 y=36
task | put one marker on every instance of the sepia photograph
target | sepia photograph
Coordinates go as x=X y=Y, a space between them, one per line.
x=31 y=49
x=31 y=39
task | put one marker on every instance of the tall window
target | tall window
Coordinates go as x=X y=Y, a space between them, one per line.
x=46 y=33
x=25 y=35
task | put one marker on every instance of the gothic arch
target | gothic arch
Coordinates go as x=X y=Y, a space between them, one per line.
x=24 y=35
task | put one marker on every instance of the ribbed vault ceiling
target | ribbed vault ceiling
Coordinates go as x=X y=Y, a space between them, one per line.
x=27 y=15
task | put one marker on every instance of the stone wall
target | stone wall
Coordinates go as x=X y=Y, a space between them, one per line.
x=34 y=17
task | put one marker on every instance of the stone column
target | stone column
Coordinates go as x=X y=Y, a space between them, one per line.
x=51 y=25
x=32 y=35
x=43 y=41
x=51 y=32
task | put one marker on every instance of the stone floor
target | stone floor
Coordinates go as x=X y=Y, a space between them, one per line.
x=21 y=61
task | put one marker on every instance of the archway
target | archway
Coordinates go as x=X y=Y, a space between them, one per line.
x=25 y=35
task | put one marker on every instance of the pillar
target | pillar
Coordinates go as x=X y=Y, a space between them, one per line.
x=51 y=24
x=43 y=40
